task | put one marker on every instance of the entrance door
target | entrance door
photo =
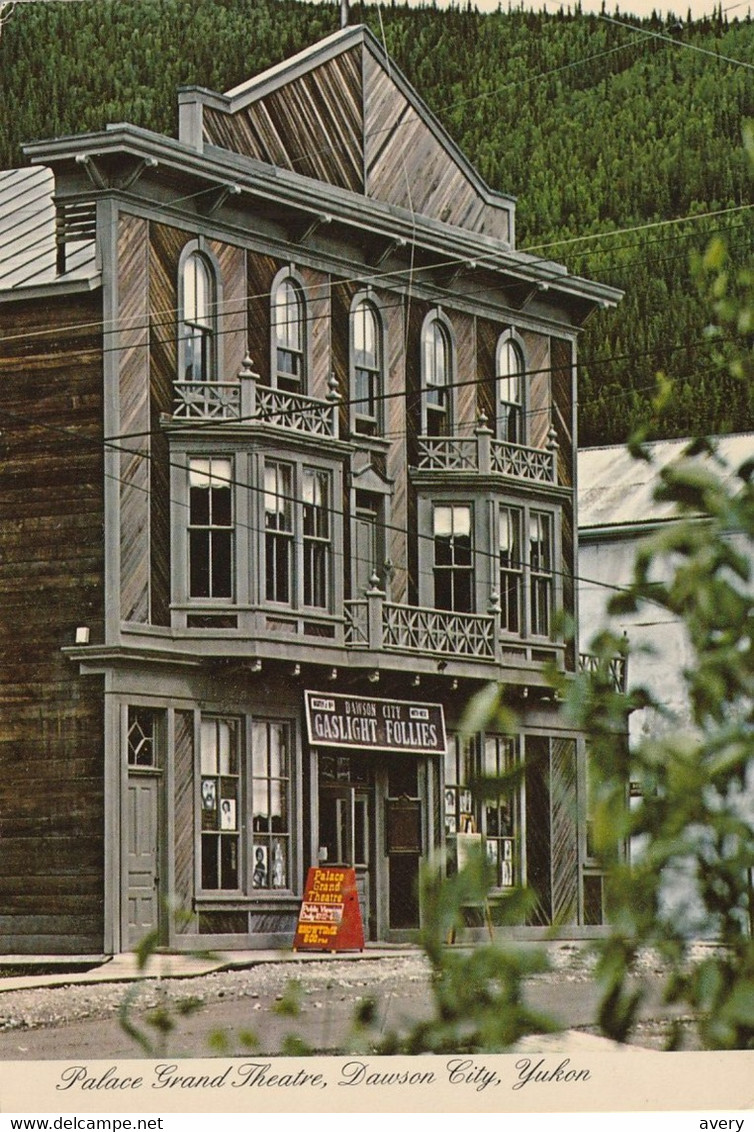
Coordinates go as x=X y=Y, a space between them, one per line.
x=142 y=856
x=345 y=832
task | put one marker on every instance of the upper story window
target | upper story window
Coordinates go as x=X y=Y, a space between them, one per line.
x=453 y=561
x=298 y=535
x=210 y=543
x=526 y=563
x=316 y=538
x=541 y=571
x=437 y=378
x=511 y=568
x=510 y=380
x=367 y=368
x=197 y=329
x=289 y=335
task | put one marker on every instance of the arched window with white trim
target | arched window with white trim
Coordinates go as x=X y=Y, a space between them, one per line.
x=437 y=378
x=197 y=337
x=367 y=368
x=289 y=335
x=510 y=368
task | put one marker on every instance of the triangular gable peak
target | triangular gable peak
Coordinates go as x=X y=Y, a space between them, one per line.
x=342 y=113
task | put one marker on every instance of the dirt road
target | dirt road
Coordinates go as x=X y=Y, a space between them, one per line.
x=269 y=1008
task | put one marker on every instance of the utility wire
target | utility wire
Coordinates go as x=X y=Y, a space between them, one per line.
x=257 y=490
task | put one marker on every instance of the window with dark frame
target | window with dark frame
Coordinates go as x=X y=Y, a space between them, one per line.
x=197 y=326
x=210 y=548
x=492 y=757
x=453 y=562
x=289 y=335
x=220 y=802
x=498 y=813
x=278 y=522
x=271 y=758
x=540 y=572
x=511 y=568
x=437 y=378
x=316 y=538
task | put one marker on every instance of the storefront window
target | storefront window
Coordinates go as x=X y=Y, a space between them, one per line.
x=494 y=816
x=220 y=804
x=271 y=769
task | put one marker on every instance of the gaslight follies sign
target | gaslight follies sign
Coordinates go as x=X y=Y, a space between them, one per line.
x=330 y=917
x=367 y=724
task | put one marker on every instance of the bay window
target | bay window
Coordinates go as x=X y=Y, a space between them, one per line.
x=298 y=535
x=278 y=522
x=453 y=562
x=210 y=535
x=540 y=572
x=526 y=547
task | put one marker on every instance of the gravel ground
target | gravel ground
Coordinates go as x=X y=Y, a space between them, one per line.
x=77 y=1018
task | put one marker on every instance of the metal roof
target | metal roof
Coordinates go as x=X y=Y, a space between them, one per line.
x=616 y=490
x=27 y=233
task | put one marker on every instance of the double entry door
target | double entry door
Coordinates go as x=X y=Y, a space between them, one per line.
x=372 y=818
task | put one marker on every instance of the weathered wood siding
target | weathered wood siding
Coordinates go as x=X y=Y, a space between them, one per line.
x=537 y=384
x=318 y=319
x=261 y=270
x=133 y=315
x=231 y=314
x=466 y=413
x=51 y=580
x=563 y=420
x=165 y=246
x=184 y=819
x=313 y=125
x=396 y=426
x=407 y=165
x=487 y=334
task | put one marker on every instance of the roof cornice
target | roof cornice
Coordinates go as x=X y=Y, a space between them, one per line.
x=221 y=168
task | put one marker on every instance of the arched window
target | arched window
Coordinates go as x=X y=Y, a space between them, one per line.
x=197 y=345
x=288 y=335
x=510 y=380
x=367 y=368
x=437 y=378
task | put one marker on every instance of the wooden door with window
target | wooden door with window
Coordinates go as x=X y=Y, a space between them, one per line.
x=346 y=825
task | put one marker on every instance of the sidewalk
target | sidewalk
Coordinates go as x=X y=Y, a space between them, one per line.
x=124 y=968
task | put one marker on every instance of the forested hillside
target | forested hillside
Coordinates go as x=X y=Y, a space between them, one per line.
x=595 y=125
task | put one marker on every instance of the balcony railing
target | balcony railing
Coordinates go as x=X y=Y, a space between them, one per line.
x=617 y=669
x=207 y=400
x=376 y=624
x=246 y=400
x=483 y=454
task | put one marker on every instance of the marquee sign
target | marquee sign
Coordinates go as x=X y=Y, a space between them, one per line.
x=366 y=724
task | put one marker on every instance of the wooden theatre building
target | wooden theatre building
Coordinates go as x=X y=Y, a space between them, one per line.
x=288 y=456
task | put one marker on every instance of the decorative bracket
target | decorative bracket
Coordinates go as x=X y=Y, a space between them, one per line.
x=217 y=199
x=302 y=232
x=131 y=178
x=93 y=171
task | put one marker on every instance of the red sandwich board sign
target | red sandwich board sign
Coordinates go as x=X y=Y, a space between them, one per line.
x=330 y=916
